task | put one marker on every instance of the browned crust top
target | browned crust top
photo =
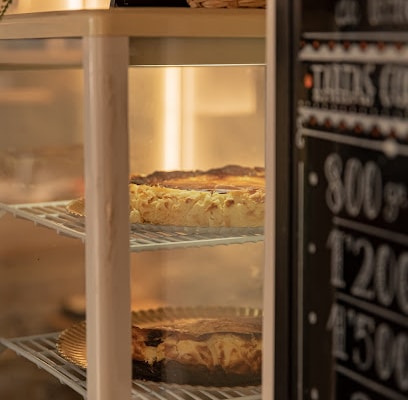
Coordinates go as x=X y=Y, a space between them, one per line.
x=229 y=177
x=199 y=328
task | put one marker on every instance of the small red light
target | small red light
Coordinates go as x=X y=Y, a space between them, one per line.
x=308 y=81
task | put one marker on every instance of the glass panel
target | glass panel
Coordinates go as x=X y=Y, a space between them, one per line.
x=196 y=117
x=179 y=118
x=41 y=144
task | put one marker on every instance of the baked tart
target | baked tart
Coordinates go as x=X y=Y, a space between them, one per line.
x=230 y=196
x=223 y=351
x=204 y=346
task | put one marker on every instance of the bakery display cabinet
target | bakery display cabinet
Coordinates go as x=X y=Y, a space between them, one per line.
x=113 y=92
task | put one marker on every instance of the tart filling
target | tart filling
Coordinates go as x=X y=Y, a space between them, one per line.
x=231 y=196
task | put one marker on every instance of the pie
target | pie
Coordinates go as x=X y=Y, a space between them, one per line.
x=230 y=196
x=222 y=351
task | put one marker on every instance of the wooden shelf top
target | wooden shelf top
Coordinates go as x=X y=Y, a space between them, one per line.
x=137 y=22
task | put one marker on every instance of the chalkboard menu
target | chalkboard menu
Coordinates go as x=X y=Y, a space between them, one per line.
x=350 y=199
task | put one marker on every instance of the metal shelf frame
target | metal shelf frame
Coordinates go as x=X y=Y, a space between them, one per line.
x=53 y=215
x=41 y=350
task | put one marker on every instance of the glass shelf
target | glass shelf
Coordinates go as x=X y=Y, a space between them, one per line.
x=53 y=215
x=41 y=350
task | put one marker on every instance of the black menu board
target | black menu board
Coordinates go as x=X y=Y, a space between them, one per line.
x=350 y=199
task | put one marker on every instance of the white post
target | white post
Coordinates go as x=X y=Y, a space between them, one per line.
x=268 y=335
x=107 y=218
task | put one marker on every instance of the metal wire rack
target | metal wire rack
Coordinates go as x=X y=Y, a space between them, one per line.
x=142 y=236
x=42 y=351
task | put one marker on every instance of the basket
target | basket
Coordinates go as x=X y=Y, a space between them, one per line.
x=227 y=3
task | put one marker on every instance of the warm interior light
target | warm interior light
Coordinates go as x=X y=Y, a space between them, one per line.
x=27 y=6
x=75 y=4
x=188 y=117
x=172 y=118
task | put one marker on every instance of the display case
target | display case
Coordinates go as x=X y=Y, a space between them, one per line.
x=117 y=57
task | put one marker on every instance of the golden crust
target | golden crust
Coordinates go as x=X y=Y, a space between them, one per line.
x=231 y=196
x=229 y=177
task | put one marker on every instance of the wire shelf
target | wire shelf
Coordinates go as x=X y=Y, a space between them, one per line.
x=42 y=351
x=142 y=236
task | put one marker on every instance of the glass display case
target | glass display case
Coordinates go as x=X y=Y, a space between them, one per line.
x=87 y=98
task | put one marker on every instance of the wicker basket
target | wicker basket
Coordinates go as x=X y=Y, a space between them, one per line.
x=227 y=3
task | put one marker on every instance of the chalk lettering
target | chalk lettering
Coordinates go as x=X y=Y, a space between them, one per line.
x=347 y=13
x=393 y=86
x=387 y=12
x=343 y=84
